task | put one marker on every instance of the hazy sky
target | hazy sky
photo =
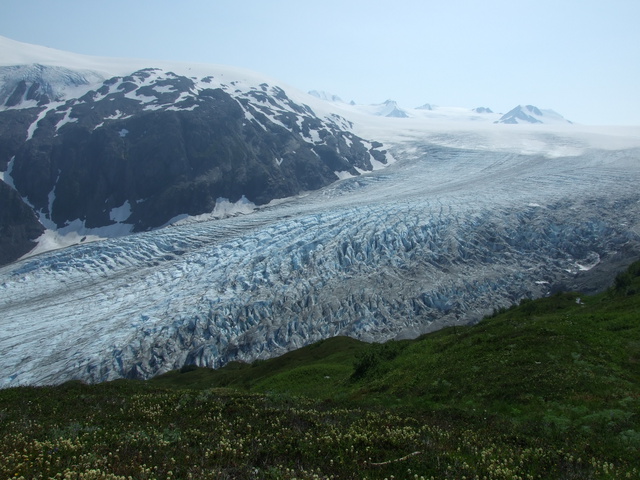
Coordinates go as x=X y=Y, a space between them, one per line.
x=578 y=57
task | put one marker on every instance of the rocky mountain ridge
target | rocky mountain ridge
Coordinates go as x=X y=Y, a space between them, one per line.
x=532 y=115
x=159 y=145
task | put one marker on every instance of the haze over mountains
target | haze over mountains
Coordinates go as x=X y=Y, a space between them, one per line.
x=527 y=114
x=248 y=218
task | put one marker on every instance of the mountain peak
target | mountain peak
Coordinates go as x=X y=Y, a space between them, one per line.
x=390 y=108
x=531 y=114
x=322 y=95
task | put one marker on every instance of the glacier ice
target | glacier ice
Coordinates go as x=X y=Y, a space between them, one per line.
x=441 y=237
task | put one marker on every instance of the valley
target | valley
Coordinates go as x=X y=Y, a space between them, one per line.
x=439 y=238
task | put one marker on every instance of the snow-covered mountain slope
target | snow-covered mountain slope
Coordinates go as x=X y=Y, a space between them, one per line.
x=35 y=85
x=326 y=96
x=13 y=53
x=388 y=108
x=531 y=114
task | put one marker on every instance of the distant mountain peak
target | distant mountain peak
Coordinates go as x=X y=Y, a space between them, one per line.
x=390 y=108
x=322 y=95
x=531 y=114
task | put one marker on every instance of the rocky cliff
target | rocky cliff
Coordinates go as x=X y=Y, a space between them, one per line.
x=143 y=149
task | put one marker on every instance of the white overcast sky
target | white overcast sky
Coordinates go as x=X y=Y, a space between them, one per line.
x=578 y=57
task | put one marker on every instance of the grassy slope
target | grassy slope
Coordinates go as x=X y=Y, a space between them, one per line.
x=547 y=389
x=300 y=372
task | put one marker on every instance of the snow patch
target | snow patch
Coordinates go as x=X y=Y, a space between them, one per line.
x=52 y=196
x=164 y=88
x=74 y=234
x=314 y=136
x=180 y=109
x=225 y=208
x=249 y=116
x=34 y=126
x=344 y=174
x=6 y=175
x=376 y=164
x=152 y=107
x=122 y=213
x=136 y=95
x=67 y=119
x=273 y=119
x=117 y=116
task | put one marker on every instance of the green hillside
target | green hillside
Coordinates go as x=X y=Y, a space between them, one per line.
x=546 y=389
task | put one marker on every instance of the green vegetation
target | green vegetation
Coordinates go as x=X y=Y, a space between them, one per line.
x=546 y=389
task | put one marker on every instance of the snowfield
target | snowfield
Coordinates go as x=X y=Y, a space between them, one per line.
x=441 y=237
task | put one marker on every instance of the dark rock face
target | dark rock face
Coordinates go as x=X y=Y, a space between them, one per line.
x=168 y=146
x=18 y=225
x=13 y=127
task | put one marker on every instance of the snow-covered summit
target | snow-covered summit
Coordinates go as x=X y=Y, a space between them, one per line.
x=388 y=108
x=531 y=114
x=326 y=96
x=35 y=84
x=43 y=63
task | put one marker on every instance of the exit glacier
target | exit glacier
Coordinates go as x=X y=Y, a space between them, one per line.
x=441 y=237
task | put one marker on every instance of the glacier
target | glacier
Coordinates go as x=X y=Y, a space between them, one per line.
x=441 y=237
